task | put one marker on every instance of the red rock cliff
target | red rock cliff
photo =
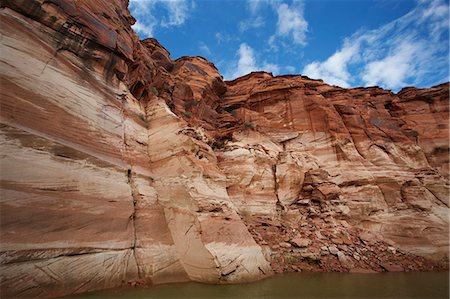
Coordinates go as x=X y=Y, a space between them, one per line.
x=123 y=166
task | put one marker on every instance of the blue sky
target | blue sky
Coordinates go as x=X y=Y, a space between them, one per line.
x=349 y=43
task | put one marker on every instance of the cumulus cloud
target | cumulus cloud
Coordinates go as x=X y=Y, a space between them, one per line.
x=292 y=23
x=392 y=70
x=403 y=52
x=334 y=70
x=145 y=21
x=170 y=13
x=247 y=63
x=144 y=29
x=177 y=12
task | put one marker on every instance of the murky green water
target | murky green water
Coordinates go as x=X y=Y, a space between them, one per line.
x=302 y=285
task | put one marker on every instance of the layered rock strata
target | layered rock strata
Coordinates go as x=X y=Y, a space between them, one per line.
x=100 y=186
x=340 y=179
x=122 y=166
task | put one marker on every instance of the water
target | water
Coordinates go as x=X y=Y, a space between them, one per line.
x=301 y=285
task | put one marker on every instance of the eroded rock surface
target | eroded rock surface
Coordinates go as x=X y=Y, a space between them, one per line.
x=122 y=166
x=349 y=177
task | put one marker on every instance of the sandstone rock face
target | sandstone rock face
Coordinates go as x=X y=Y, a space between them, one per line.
x=122 y=166
x=102 y=185
x=344 y=163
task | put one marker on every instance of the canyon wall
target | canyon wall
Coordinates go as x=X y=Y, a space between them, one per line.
x=122 y=166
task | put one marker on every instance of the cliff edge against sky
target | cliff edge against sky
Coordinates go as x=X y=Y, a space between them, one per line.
x=122 y=166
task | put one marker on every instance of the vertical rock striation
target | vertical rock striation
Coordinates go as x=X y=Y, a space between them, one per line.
x=122 y=166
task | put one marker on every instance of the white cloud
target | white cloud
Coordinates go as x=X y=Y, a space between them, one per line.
x=254 y=5
x=146 y=30
x=334 y=70
x=438 y=13
x=251 y=23
x=393 y=69
x=255 y=20
x=247 y=63
x=145 y=21
x=205 y=49
x=222 y=37
x=403 y=52
x=290 y=69
x=292 y=23
x=177 y=12
x=171 y=13
x=271 y=68
x=436 y=9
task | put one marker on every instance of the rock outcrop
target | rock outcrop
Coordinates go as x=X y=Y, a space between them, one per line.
x=340 y=179
x=122 y=166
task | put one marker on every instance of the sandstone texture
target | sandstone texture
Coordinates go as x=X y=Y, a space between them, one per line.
x=122 y=166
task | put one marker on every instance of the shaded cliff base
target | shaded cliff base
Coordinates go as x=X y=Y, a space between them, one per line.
x=123 y=166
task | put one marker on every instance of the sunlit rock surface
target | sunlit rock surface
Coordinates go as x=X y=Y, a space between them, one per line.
x=122 y=166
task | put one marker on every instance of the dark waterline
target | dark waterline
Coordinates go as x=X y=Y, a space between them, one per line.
x=301 y=285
